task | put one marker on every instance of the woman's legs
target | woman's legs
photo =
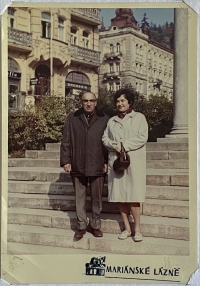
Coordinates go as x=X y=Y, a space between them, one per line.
x=135 y=210
x=125 y=212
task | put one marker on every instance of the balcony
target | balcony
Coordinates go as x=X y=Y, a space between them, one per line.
x=80 y=54
x=113 y=55
x=19 y=40
x=112 y=75
x=90 y=15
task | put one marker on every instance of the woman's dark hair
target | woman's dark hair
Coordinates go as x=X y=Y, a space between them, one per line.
x=128 y=94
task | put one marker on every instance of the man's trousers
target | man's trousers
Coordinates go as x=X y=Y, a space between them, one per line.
x=96 y=189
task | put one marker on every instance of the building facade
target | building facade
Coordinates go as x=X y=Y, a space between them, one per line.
x=52 y=51
x=128 y=56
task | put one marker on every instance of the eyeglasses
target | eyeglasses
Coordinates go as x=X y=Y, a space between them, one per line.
x=88 y=100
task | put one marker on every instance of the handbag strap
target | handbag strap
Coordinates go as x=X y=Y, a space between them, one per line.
x=122 y=148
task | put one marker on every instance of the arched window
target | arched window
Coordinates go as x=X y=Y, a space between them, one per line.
x=46 y=25
x=77 y=77
x=76 y=82
x=111 y=48
x=14 y=80
x=118 y=47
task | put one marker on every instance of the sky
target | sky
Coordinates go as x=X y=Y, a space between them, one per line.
x=156 y=15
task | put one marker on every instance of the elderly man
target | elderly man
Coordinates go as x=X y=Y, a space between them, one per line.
x=83 y=155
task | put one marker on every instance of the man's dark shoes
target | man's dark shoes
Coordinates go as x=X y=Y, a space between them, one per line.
x=79 y=233
x=97 y=232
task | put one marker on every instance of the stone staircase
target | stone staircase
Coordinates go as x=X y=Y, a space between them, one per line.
x=41 y=205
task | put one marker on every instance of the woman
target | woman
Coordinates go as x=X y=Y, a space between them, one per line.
x=128 y=188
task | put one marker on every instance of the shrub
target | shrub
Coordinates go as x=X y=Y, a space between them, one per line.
x=25 y=131
x=158 y=111
x=105 y=102
x=33 y=127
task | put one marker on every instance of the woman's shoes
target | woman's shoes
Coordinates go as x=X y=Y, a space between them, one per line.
x=125 y=234
x=137 y=237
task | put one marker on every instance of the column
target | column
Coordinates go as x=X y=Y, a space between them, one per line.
x=180 y=99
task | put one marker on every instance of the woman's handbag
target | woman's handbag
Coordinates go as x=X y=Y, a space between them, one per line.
x=122 y=162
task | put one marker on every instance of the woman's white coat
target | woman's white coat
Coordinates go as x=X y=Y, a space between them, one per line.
x=132 y=131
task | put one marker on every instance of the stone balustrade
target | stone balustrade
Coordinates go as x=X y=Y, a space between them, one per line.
x=90 y=12
x=19 y=37
x=85 y=54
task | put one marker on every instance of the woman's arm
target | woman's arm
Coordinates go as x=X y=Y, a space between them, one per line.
x=140 y=139
x=107 y=142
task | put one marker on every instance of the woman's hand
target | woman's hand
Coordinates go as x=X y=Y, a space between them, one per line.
x=118 y=147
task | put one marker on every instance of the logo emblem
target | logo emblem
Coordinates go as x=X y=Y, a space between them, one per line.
x=96 y=266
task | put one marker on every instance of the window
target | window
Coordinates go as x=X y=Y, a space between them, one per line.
x=111 y=48
x=117 y=67
x=111 y=86
x=60 y=29
x=118 y=47
x=77 y=77
x=117 y=85
x=137 y=49
x=137 y=87
x=46 y=25
x=11 y=17
x=111 y=68
x=14 y=80
x=73 y=38
x=141 y=50
x=85 y=39
x=137 y=67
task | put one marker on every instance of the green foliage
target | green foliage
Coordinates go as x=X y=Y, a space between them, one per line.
x=31 y=128
x=51 y=111
x=106 y=103
x=162 y=34
x=25 y=131
x=158 y=111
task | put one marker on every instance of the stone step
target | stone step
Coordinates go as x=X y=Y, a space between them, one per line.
x=162 y=227
x=42 y=154
x=108 y=243
x=170 y=139
x=28 y=249
x=55 y=202
x=169 y=145
x=168 y=164
x=54 y=163
x=66 y=188
x=158 y=177
x=151 y=207
x=151 y=155
x=166 y=208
